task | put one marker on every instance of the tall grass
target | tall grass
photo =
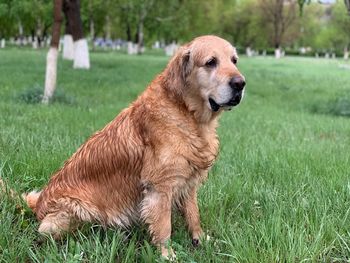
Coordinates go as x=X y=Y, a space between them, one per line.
x=279 y=192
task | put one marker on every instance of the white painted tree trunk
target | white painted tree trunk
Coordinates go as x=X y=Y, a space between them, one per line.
x=346 y=53
x=35 y=43
x=20 y=33
x=51 y=74
x=81 y=54
x=3 y=43
x=60 y=44
x=249 y=52
x=68 y=47
x=132 y=48
x=278 y=53
x=171 y=49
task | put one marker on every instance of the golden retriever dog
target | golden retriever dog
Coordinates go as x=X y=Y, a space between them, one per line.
x=154 y=155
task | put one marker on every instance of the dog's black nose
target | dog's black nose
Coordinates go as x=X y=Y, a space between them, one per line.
x=237 y=83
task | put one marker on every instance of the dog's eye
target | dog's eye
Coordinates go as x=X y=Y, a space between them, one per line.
x=234 y=60
x=211 y=63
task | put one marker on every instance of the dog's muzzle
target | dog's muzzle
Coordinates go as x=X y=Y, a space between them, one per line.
x=237 y=84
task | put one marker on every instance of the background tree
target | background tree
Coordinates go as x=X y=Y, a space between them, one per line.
x=279 y=16
x=74 y=26
x=161 y=21
x=347 y=4
x=68 y=44
x=309 y=25
x=71 y=9
x=244 y=26
x=256 y=24
x=6 y=21
x=93 y=13
x=141 y=10
x=52 y=55
x=340 y=24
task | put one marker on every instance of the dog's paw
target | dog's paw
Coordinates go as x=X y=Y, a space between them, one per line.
x=168 y=254
x=196 y=242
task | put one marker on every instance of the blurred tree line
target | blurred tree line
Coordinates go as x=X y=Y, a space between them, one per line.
x=259 y=24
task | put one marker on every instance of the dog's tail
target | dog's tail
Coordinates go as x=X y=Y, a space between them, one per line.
x=30 y=198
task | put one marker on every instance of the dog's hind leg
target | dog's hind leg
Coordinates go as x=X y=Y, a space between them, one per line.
x=31 y=199
x=57 y=223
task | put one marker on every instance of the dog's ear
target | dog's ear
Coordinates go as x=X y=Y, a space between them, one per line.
x=177 y=71
x=185 y=67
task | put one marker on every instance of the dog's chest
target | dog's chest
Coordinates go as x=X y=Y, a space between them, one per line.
x=201 y=148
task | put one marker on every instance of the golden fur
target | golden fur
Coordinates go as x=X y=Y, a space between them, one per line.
x=152 y=156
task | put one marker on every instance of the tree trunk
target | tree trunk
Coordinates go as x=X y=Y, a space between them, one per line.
x=38 y=35
x=20 y=33
x=51 y=59
x=140 y=38
x=81 y=50
x=2 y=44
x=128 y=32
x=107 y=27
x=92 y=33
x=92 y=29
x=81 y=54
x=68 y=45
x=347 y=3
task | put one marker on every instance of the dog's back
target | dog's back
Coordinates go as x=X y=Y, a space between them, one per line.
x=100 y=181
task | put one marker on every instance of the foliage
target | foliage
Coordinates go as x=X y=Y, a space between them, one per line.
x=244 y=22
x=340 y=23
x=301 y=4
x=31 y=14
x=347 y=3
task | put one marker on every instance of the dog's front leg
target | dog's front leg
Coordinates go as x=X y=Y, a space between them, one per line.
x=189 y=208
x=156 y=212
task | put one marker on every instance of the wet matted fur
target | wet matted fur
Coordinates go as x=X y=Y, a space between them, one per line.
x=153 y=155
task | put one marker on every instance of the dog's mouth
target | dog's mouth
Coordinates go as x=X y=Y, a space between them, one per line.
x=214 y=106
x=226 y=106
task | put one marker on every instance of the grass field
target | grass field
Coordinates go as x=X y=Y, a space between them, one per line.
x=279 y=192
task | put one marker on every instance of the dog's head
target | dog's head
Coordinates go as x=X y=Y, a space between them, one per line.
x=205 y=73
